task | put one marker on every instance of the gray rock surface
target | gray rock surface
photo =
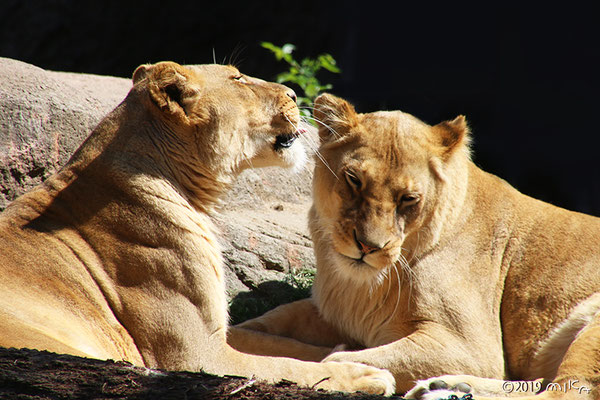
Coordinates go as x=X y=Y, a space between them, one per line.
x=45 y=115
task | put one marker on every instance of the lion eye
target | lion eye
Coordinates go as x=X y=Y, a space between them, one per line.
x=353 y=180
x=409 y=200
x=239 y=78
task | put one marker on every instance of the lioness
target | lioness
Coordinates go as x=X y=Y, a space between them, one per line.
x=115 y=256
x=437 y=268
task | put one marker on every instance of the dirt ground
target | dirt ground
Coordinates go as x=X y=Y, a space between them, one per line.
x=30 y=374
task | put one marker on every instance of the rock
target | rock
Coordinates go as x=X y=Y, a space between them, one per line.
x=45 y=115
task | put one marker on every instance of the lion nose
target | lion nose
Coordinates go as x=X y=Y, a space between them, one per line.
x=365 y=246
x=292 y=95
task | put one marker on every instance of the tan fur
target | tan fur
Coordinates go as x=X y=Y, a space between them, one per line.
x=431 y=267
x=116 y=256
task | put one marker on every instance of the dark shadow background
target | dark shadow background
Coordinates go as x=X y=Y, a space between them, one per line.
x=526 y=77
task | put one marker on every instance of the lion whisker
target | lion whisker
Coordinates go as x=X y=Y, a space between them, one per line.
x=394 y=267
x=234 y=58
x=410 y=274
x=318 y=121
x=319 y=155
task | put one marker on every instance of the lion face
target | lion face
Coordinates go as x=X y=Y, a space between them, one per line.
x=380 y=186
x=215 y=117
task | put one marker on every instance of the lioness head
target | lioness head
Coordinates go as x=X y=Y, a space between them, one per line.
x=216 y=120
x=381 y=184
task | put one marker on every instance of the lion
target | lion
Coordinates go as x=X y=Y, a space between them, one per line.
x=116 y=256
x=439 y=272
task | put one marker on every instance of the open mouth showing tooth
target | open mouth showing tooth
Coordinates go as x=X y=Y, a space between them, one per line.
x=285 y=140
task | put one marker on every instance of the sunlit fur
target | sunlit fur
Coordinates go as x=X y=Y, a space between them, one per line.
x=452 y=260
x=383 y=150
x=472 y=281
x=116 y=256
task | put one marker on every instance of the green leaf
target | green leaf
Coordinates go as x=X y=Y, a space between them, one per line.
x=310 y=66
x=286 y=77
x=328 y=62
x=302 y=81
x=303 y=73
x=288 y=58
x=304 y=101
x=311 y=90
x=286 y=53
x=277 y=51
x=268 y=45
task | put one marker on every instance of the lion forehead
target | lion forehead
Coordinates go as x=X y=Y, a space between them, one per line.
x=214 y=69
x=385 y=167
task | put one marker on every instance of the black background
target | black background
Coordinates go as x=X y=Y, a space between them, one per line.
x=526 y=77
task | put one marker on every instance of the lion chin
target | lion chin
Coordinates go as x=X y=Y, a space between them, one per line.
x=293 y=156
x=359 y=271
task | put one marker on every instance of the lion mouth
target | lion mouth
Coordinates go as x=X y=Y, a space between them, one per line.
x=356 y=262
x=285 y=140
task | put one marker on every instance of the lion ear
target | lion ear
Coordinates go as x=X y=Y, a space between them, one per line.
x=335 y=116
x=451 y=135
x=168 y=86
x=141 y=72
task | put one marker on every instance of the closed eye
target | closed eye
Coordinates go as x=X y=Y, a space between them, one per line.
x=240 y=78
x=353 y=180
x=409 y=200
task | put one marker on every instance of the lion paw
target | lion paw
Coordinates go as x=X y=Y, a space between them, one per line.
x=437 y=389
x=354 y=377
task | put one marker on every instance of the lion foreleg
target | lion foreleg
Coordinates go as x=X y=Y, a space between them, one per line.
x=430 y=351
x=299 y=320
x=260 y=343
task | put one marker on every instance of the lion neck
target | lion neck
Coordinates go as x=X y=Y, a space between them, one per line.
x=125 y=140
x=203 y=180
